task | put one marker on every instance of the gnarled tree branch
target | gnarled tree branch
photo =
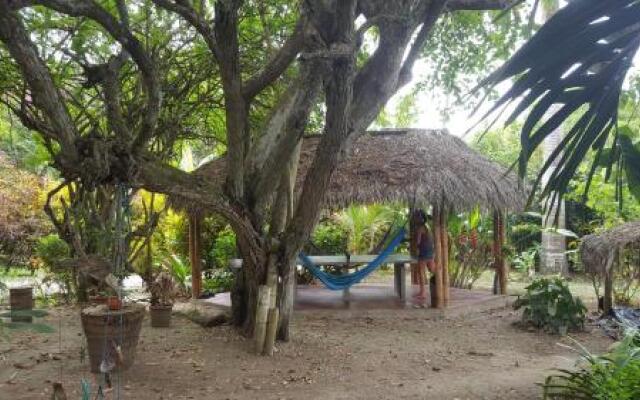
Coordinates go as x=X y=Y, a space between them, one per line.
x=120 y=33
x=278 y=64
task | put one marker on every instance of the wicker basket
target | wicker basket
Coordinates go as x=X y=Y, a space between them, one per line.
x=160 y=315
x=21 y=300
x=107 y=330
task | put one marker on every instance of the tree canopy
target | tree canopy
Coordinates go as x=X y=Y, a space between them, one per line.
x=115 y=88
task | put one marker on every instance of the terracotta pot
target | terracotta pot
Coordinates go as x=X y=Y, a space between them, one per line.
x=160 y=315
x=114 y=303
x=112 y=335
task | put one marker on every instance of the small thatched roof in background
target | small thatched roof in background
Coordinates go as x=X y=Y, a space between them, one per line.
x=598 y=251
x=421 y=166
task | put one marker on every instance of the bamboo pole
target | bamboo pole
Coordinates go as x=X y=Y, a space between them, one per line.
x=437 y=236
x=262 y=311
x=194 y=255
x=444 y=240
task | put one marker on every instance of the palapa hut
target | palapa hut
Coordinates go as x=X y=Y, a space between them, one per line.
x=411 y=165
x=598 y=254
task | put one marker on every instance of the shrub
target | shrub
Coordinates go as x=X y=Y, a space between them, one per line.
x=22 y=220
x=614 y=375
x=224 y=248
x=329 y=237
x=548 y=304
x=525 y=261
x=50 y=252
x=179 y=270
x=525 y=231
x=218 y=281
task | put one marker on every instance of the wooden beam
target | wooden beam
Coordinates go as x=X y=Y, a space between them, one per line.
x=195 y=245
x=444 y=242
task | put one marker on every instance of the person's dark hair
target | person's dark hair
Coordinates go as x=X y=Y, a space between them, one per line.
x=420 y=216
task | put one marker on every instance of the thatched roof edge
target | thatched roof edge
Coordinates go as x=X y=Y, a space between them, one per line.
x=598 y=250
x=407 y=165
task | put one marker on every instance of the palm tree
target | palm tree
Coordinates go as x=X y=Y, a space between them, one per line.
x=575 y=65
x=365 y=224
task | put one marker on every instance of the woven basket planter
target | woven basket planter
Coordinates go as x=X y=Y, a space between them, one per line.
x=112 y=336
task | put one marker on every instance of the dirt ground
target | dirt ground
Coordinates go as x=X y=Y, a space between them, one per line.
x=336 y=354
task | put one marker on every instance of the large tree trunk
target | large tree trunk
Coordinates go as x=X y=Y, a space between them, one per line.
x=244 y=297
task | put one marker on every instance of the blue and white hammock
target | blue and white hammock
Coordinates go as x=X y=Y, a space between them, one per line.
x=340 y=282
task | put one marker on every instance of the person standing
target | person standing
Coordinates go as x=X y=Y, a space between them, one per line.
x=423 y=245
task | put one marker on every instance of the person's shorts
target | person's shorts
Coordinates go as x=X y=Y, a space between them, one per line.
x=425 y=257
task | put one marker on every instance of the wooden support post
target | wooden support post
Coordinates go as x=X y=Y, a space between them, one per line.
x=262 y=312
x=444 y=242
x=412 y=247
x=195 y=240
x=437 y=236
x=500 y=266
x=607 y=304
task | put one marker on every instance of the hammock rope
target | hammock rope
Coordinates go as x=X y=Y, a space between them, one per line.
x=344 y=281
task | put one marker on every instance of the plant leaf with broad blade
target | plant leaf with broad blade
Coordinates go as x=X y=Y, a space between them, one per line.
x=576 y=63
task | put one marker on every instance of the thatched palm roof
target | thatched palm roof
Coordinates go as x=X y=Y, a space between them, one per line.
x=598 y=251
x=421 y=166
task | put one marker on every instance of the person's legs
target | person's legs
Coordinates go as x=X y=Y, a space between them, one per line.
x=431 y=265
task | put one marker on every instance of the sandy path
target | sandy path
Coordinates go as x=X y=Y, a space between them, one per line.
x=405 y=354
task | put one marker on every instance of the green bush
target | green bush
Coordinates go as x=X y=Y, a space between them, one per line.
x=549 y=304
x=614 y=375
x=525 y=235
x=51 y=250
x=525 y=261
x=218 y=281
x=224 y=248
x=329 y=237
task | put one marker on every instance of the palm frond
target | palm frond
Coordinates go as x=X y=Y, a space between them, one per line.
x=575 y=64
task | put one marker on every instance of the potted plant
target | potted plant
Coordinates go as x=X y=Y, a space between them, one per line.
x=114 y=303
x=163 y=292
